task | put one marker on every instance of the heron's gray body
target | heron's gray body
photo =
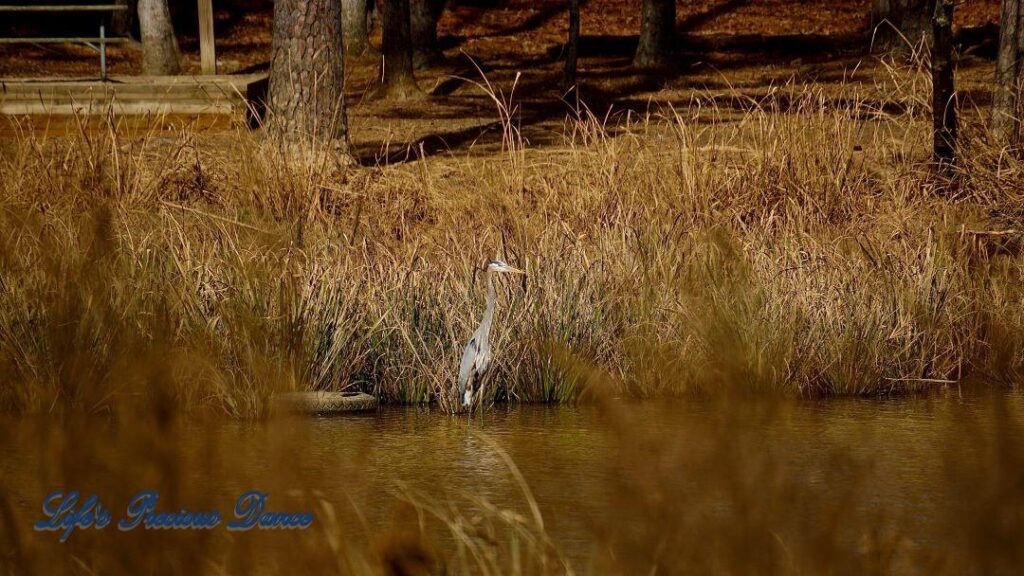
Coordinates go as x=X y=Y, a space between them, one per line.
x=476 y=358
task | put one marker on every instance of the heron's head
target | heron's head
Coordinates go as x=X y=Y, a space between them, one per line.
x=501 y=266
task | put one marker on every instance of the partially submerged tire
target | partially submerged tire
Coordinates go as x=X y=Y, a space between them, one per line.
x=325 y=402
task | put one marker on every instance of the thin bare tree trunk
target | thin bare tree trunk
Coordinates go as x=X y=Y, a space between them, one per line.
x=944 y=123
x=160 y=55
x=657 y=33
x=573 y=47
x=424 y=16
x=397 y=79
x=1005 y=97
x=356 y=34
x=307 y=73
x=900 y=25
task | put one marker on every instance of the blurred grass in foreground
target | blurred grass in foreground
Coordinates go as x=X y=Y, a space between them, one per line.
x=738 y=489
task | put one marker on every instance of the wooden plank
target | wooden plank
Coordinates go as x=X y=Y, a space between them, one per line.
x=132 y=94
x=207 y=50
x=96 y=40
x=65 y=8
x=83 y=96
x=229 y=95
x=227 y=80
x=127 y=108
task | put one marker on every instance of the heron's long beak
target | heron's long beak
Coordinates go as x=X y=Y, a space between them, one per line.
x=512 y=270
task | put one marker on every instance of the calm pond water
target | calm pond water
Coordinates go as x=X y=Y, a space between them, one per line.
x=920 y=470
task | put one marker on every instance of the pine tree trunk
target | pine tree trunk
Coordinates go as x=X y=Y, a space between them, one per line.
x=573 y=46
x=900 y=25
x=944 y=123
x=423 y=21
x=356 y=31
x=398 y=82
x=160 y=54
x=307 y=73
x=657 y=34
x=1005 y=96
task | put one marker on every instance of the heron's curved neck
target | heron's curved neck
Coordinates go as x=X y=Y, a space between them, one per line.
x=485 y=325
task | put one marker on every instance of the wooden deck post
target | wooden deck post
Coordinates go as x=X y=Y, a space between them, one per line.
x=207 y=50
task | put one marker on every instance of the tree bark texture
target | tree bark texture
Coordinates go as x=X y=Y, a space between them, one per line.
x=573 y=46
x=900 y=25
x=397 y=80
x=121 y=20
x=657 y=33
x=423 y=21
x=1006 y=95
x=944 y=122
x=160 y=54
x=356 y=29
x=307 y=72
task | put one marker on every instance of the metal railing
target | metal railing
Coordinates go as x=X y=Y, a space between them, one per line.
x=98 y=43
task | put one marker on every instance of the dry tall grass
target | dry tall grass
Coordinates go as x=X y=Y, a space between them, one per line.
x=799 y=246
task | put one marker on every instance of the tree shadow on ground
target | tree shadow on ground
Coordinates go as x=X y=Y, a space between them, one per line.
x=461 y=118
x=607 y=83
x=697 y=20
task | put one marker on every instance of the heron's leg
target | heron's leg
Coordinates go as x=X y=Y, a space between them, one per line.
x=482 y=387
x=479 y=399
x=472 y=389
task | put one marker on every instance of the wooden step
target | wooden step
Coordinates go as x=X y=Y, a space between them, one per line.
x=106 y=92
x=133 y=95
x=119 y=108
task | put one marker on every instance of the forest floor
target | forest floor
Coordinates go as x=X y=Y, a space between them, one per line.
x=735 y=53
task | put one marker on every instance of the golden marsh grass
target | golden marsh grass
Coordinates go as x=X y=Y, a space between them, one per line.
x=797 y=245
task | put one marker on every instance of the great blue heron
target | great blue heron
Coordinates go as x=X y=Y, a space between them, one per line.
x=476 y=358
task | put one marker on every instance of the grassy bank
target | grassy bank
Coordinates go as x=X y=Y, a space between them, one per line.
x=793 y=244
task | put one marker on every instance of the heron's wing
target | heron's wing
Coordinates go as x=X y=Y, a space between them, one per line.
x=466 y=365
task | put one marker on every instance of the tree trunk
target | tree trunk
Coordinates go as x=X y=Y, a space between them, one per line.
x=307 y=73
x=424 y=16
x=121 y=20
x=356 y=31
x=573 y=46
x=900 y=25
x=397 y=80
x=1005 y=96
x=943 y=95
x=657 y=33
x=160 y=54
